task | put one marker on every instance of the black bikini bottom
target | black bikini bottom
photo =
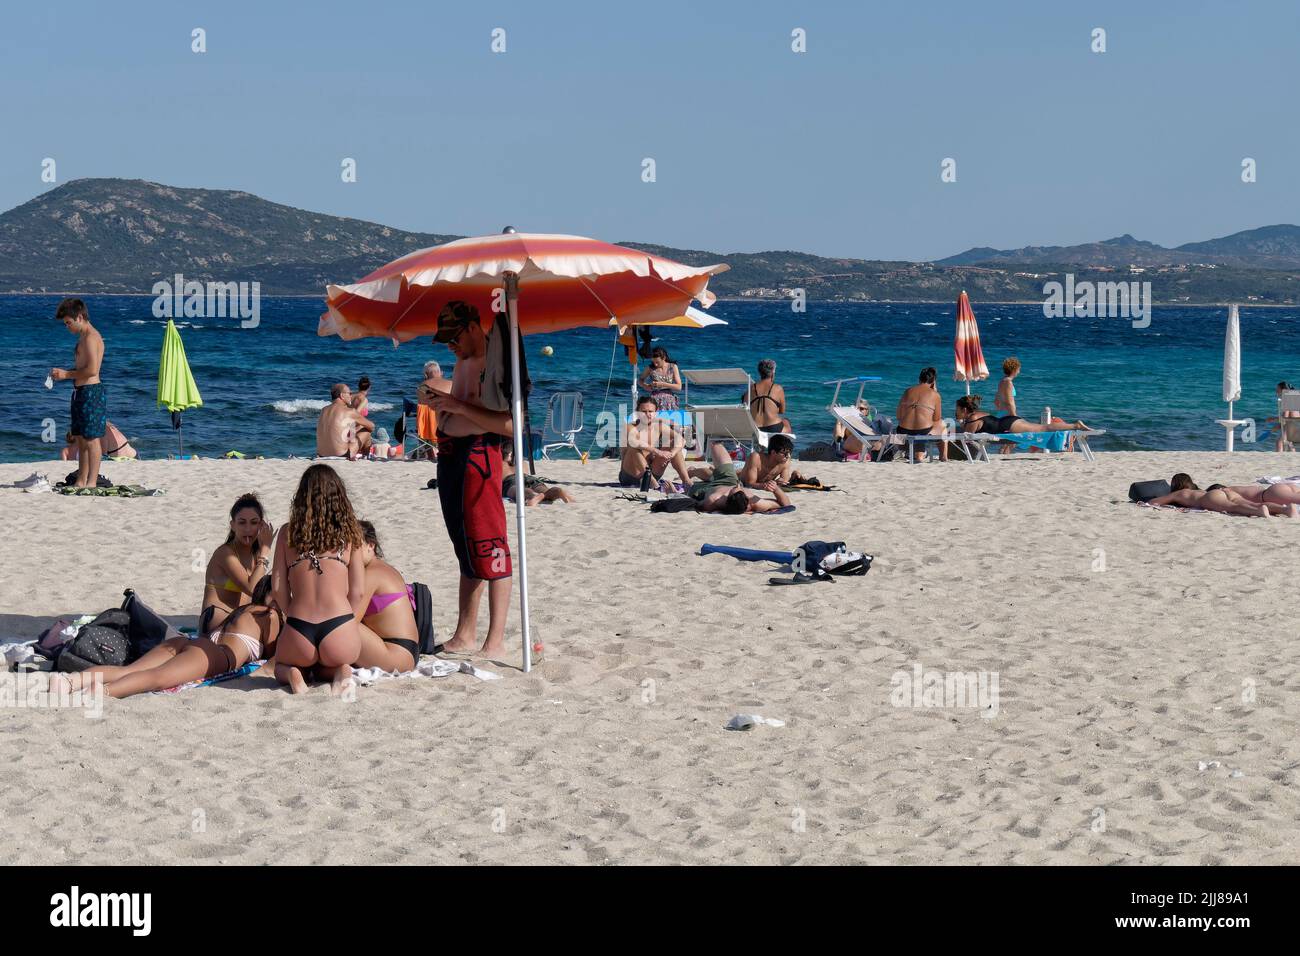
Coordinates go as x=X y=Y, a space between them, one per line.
x=317 y=631
x=410 y=647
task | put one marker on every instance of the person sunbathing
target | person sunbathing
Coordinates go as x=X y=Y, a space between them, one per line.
x=535 y=492
x=650 y=446
x=318 y=580
x=971 y=419
x=390 y=639
x=1281 y=499
x=1219 y=498
x=238 y=565
x=773 y=465
x=248 y=634
x=722 y=492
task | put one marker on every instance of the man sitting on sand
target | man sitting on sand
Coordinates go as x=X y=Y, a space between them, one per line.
x=341 y=430
x=722 y=491
x=651 y=444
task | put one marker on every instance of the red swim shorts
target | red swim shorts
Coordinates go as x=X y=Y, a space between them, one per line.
x=469 y=487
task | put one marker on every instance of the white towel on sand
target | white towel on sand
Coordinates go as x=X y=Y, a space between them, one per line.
x=1278 y=480
x=428 y=667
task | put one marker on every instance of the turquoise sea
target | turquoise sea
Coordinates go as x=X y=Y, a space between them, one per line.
x=1152 y=388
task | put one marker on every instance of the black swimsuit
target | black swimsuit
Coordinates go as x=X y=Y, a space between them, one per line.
x=317 y=631
x=991 y=425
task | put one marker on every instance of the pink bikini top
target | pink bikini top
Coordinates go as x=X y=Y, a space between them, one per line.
x=380 y=601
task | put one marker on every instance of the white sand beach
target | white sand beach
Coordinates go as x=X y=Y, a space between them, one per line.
x=1129 y=645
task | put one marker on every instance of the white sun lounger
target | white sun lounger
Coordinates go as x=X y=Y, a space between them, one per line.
x=731 y=421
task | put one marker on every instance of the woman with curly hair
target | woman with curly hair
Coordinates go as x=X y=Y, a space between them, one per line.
x=238 y=565
x=319 y=581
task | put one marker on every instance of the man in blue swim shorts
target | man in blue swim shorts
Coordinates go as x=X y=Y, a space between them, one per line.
x=89 y=402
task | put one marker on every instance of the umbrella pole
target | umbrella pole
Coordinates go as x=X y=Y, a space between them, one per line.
x=512 y=308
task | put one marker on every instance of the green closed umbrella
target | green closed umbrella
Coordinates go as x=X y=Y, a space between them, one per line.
x=176 y=388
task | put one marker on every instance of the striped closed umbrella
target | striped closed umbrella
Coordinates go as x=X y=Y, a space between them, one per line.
x=564 y=282
x=968 y=357
x=176 y=389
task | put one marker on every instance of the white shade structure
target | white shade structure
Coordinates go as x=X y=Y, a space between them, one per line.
x=1231 y=374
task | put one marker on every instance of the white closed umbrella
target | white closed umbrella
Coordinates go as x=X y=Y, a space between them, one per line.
x=1231 y=369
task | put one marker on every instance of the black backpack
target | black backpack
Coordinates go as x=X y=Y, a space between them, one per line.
x=424 y=618
x=145 y=628
x=103 y=641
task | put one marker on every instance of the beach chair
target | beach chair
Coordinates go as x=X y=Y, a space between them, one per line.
x=563 y=422
x=731 y=421
x=416 y=444
x=1080 y=439
x=1288 y=429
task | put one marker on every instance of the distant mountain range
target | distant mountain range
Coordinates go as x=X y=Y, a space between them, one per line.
x=120 y=236
x=1269 y=247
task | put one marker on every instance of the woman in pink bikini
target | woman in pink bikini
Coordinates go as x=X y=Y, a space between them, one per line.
x=390 y=639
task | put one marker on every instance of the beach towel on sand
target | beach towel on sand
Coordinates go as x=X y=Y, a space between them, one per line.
x=113 y=491
x=1048 y=441
x=244 y=671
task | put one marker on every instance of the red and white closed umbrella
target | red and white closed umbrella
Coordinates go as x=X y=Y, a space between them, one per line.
x=546 y=283
x=968 y=357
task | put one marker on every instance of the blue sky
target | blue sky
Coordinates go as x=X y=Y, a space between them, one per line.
x=835 y=151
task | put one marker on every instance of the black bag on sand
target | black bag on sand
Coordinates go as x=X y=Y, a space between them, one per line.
x=1146 y=490
x=424 y=618
x=820 y=451
x=100 y=480
x=145 y=628
x=102 y=641
x=674 y=505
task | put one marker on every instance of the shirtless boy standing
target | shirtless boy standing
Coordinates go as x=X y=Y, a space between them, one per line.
x=89 y=402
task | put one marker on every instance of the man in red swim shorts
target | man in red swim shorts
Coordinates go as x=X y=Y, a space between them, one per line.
x=469 y=481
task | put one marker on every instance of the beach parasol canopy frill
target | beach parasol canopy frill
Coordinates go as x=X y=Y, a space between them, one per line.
x=570 y=282
x=176 y=389
x=968 y=357
x=545 y=283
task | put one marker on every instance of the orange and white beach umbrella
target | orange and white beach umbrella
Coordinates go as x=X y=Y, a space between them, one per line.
x=564 y=282
x=545 y=283
x=968 y=357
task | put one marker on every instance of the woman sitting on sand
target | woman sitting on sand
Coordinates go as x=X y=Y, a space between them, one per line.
x=318 y=579
x=1220 y=498
x=238 y=565
x=390 y=639
x=974 y=421
x=249 y=634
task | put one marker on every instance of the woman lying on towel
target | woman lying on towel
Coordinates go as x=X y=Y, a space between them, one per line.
x=972 y=420
x=238 y=565
x=1220 y=498
x=248 y=634
x=390 y=639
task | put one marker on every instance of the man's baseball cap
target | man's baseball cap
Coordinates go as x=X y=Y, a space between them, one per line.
x=454 y=317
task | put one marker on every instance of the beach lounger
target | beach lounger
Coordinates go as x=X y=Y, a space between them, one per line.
x=563 y=422
x=1288 y=428
x=415 y=444
x=1049 y=441
x=723 y=422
